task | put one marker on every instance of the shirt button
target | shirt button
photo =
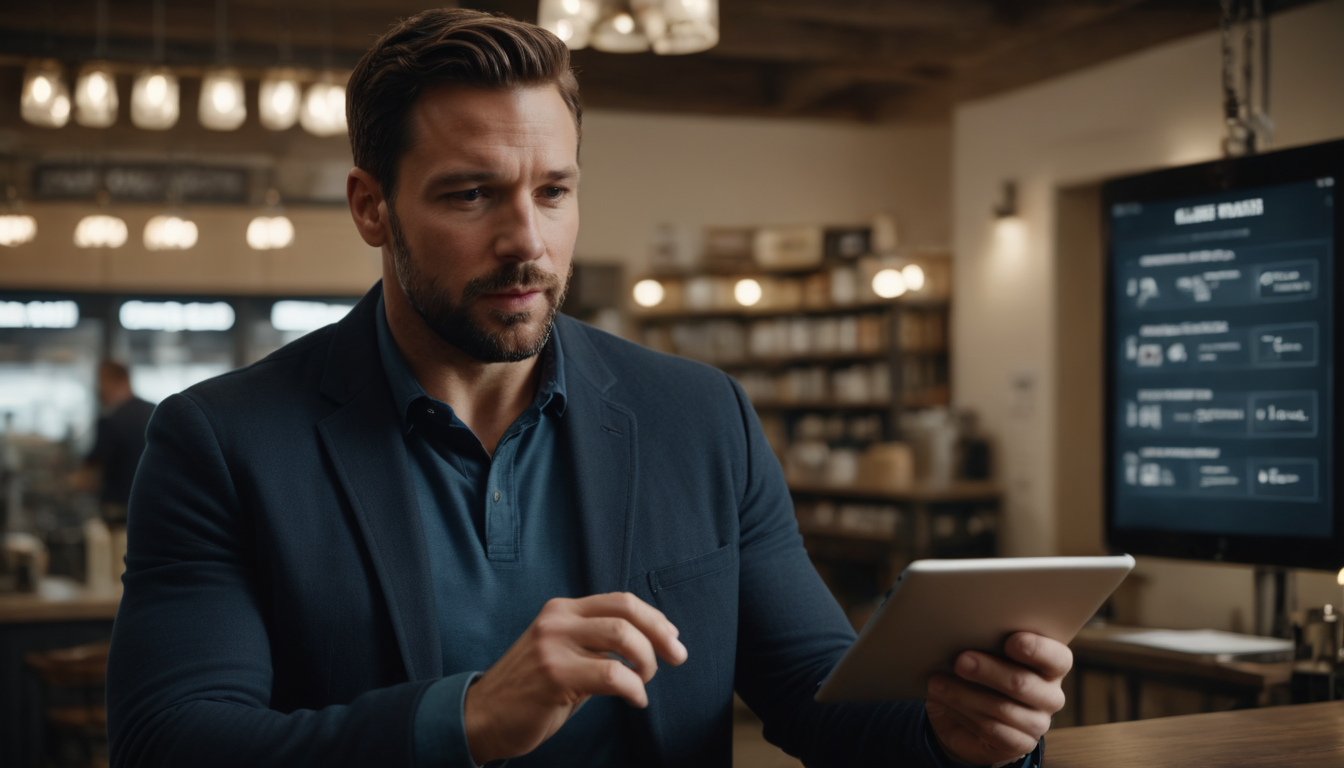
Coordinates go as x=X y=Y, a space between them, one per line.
x=430 y=411
x=496 y=496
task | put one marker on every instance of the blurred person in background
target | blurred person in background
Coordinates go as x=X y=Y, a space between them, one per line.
x=119 y=441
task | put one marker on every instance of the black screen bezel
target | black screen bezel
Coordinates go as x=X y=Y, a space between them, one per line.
x=1283 y=167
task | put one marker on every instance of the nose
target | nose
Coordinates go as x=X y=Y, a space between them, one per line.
x=518 y=236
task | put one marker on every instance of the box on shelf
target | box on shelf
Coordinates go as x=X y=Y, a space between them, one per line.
x=887 y=465
x=787 y=249
x=729 y=249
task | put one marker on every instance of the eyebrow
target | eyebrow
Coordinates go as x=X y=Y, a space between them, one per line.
x=459 y=177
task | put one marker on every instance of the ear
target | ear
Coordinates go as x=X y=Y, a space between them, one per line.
x=367 y=207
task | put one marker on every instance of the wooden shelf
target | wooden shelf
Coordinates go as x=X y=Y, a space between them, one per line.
x=961 y=491
x=819 y=405
x=746 y=313
x=787 y=361
x=836 y=532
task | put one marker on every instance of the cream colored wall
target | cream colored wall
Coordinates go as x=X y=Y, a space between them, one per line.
x=1153 y=109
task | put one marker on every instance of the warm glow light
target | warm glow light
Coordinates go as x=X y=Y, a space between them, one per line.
x=96 y=96
x=170 y=233
x=889 y=283
x=100 y=231
x=618 y=34
x=17 y=229
x=914 y=276
x=278 y=100
x=222 y=107
x=570 y=20
x=679 y=26
x=154 y=100
x=45 y=101
x=269 y=232
x=39 y=314
x=747 y=292
x=649 y=293
x=623 y=23
x=1340 y=577
x=306 y=315
x=175 y=316
x=1010 y=238
x=323 y=112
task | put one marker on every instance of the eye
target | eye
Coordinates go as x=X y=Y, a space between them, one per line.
x=468 y=195
x=553 y=193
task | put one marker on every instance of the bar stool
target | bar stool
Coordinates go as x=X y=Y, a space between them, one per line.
x=72 y=693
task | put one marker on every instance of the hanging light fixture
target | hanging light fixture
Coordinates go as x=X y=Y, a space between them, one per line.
x=669 y=27
x=100 y=231
x=323 y=111
x=171 y=231
x=222 y=106
x=272 y=229
x=96 y=87
x=154 y=96
x=278 y=101
x=16 y=227
x=45 y=101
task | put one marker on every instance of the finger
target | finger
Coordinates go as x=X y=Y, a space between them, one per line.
x=607 y=677
x=989 y=710
x=648 y=620
x=1011 y=679
x=612 y=635
x=1051 y=658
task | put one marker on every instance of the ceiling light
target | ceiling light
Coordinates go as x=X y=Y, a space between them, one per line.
x=570 y=20
x=747 y=292
x=17 y=229
x=278 y=101
x=45 y=101
x=914 y=276
x=649 y=293
x=100 y=231
x=154 y=100
x=170 y=232
x=619 y=34
x=96 y=96
x=323 y=111
x=269 y=232
x=679 y=26
x=222 y=106
x=889 y=283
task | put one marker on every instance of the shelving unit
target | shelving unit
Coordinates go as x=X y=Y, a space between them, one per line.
x=842 y=375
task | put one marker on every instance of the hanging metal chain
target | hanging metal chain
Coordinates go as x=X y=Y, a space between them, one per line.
x=1248 y=125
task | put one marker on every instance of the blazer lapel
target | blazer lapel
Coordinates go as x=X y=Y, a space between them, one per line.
x=369 y=456
x=600 y=436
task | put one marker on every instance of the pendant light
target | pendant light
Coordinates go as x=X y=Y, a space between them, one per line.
x=16 y=227
x=101 y=230
x=679 y=26
x=618 y=33
x=279 y=98
x=45 y=101
x=669 y=27
x=324 y=108
x=570 y=20
x=172 y=231
x=222 y=106
x=96 y=87
x=272 y=229
x=154 y=96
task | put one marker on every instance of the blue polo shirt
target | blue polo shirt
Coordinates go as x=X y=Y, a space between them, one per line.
x=501 y=532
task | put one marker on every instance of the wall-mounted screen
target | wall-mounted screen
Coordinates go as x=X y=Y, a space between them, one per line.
x=1222 y=354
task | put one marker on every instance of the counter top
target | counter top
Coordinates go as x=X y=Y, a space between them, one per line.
x=58 y=599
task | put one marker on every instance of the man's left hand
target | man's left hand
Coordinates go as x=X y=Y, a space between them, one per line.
x=995 y=710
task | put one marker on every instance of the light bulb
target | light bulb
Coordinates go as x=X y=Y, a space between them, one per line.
x=169 y=232
x=570 y=20
x=278 y=100
x=222 y=107
x=96 y=96
x=100 y=231
x=619 y=34
x=889 y=283
x=678 y=26
x=265 y=233
x=649 y=293
x=17 y=229
x=623 y=23
x=45 y=101
x=747 y=292
x=154 y=100
x=914 y=276
x=323 y=112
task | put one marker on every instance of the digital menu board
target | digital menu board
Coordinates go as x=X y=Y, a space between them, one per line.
x=1221 y=383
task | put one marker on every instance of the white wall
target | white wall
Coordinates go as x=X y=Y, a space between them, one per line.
x=641 y=170
x=1153 y=109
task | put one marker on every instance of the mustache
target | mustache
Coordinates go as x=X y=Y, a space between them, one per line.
x=527 y=276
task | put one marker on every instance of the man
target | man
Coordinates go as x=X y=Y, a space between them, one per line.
x=118 y=442
x=455 y=528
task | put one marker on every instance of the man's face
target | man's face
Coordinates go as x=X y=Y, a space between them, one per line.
x=486 y=215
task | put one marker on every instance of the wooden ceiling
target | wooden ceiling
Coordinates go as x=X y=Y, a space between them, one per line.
x=848 y=59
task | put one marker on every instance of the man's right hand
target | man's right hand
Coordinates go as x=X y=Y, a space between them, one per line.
x=563 y=658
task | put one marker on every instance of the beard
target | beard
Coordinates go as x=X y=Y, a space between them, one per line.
x=455 y=322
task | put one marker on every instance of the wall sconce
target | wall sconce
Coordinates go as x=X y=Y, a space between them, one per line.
x=1007 y=205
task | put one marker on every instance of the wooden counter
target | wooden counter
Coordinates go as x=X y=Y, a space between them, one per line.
x=1302 y=736
x=58 y=599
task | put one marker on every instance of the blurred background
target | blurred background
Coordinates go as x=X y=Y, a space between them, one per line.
x=883 y=218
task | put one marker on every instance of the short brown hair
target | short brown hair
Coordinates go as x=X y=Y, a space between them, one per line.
x=438 y=47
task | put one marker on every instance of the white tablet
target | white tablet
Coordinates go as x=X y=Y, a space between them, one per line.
x=939 y=608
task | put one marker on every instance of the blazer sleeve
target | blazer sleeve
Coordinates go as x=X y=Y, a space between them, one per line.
x=189 y=674
x=791 y=632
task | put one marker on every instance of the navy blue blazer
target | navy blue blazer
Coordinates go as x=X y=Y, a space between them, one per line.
x=278 y=609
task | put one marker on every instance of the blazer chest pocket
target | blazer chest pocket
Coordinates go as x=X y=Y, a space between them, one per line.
x=692 y=569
